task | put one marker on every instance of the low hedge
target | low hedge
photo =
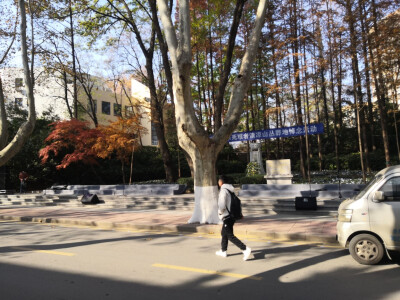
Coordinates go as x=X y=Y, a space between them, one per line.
x=256 y=179
x=189 y=183
x=235 y=178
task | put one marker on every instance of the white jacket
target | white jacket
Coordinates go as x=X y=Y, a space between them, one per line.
x=224 y=200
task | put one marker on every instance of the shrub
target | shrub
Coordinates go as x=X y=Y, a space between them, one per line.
x=148 y=164
x=230 y=166
x=256 y=179
x=235 y=177
x=158 y=181
x=189 y=183
x=253 y=168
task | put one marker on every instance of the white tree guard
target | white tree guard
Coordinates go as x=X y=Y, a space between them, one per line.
x=205 y=205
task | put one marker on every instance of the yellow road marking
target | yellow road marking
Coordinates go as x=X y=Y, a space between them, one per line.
x=45 y=251
x=203 y=271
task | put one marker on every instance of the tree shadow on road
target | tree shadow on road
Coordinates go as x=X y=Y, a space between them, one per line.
x=350 y=281
x=272 y=252
x=71 y=234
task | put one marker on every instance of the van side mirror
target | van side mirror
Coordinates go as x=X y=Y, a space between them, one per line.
x=379 y=196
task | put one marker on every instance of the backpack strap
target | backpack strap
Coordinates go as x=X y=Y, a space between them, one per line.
x=230 y=194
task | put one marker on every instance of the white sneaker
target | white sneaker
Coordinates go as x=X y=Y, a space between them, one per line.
x=246 y=253
x=221 y=253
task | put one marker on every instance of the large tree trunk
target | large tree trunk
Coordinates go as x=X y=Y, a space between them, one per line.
x=296 y=74
x=157 y=116
x=321 y=60
x=202 y=149
x=379 y=85
x=26 y=128
x=332 y=86
x=219 y=99
x=3 y=114
x=271 y=27
x=205 y=185
x=3 y=119
x=370 y=114
x=356 y=85
x=65 y=82
x=170 y=172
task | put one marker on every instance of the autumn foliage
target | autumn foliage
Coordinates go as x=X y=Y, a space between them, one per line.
x=120 y=138
x=73 y=137
x=75 y=141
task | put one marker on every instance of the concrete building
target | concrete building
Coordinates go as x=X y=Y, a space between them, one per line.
x=106 y=102
x=48 y=91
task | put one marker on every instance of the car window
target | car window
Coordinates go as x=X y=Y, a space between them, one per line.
x=368 y=186
x=392 y=189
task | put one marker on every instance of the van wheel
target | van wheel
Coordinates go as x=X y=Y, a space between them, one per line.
x=366 y=249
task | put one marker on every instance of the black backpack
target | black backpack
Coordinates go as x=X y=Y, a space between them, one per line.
x=236 y=207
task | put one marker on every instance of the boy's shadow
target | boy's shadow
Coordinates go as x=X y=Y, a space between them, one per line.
x=260 y=254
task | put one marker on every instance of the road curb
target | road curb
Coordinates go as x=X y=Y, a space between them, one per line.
x=184 y=228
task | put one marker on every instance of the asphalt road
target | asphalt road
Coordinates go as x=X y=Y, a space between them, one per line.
x=40 y=261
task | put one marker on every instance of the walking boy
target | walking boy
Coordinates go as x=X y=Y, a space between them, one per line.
x=224 y=204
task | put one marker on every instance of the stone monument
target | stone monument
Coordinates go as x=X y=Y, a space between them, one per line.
x=279 y=172
x=256 y=156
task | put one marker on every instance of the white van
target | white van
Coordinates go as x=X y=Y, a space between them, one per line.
x=369 y=223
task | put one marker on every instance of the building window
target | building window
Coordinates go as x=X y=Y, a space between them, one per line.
x=128 y=110
x=154 y=139
x=117 y=109
x=19 y=82
x=18 y=101
x=105 y=107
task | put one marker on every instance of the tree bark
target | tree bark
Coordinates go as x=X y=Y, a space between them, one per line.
x=157 y=116
x=163 y=47
x=199 y=87
x=370 y=114
x=379 y=86
x=65 y=80
x=279 y=123
x=315 y=79
x=332 y=86
x=356 y=85
x=322 y=74
x=296 y=71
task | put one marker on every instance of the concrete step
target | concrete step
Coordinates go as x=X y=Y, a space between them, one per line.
x=135 y=189
x=292 y=194
x=301 y=187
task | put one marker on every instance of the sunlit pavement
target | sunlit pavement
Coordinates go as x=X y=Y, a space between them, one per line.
x=289 y=227
x=47 y=261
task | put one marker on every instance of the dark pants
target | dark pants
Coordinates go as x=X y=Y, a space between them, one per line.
x=227 y=235
x=22 y=187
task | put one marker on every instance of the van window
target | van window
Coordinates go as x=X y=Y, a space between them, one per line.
x=368 y=186
x=392 y=189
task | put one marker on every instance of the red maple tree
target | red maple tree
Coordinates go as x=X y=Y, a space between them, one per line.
x=73 y=137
